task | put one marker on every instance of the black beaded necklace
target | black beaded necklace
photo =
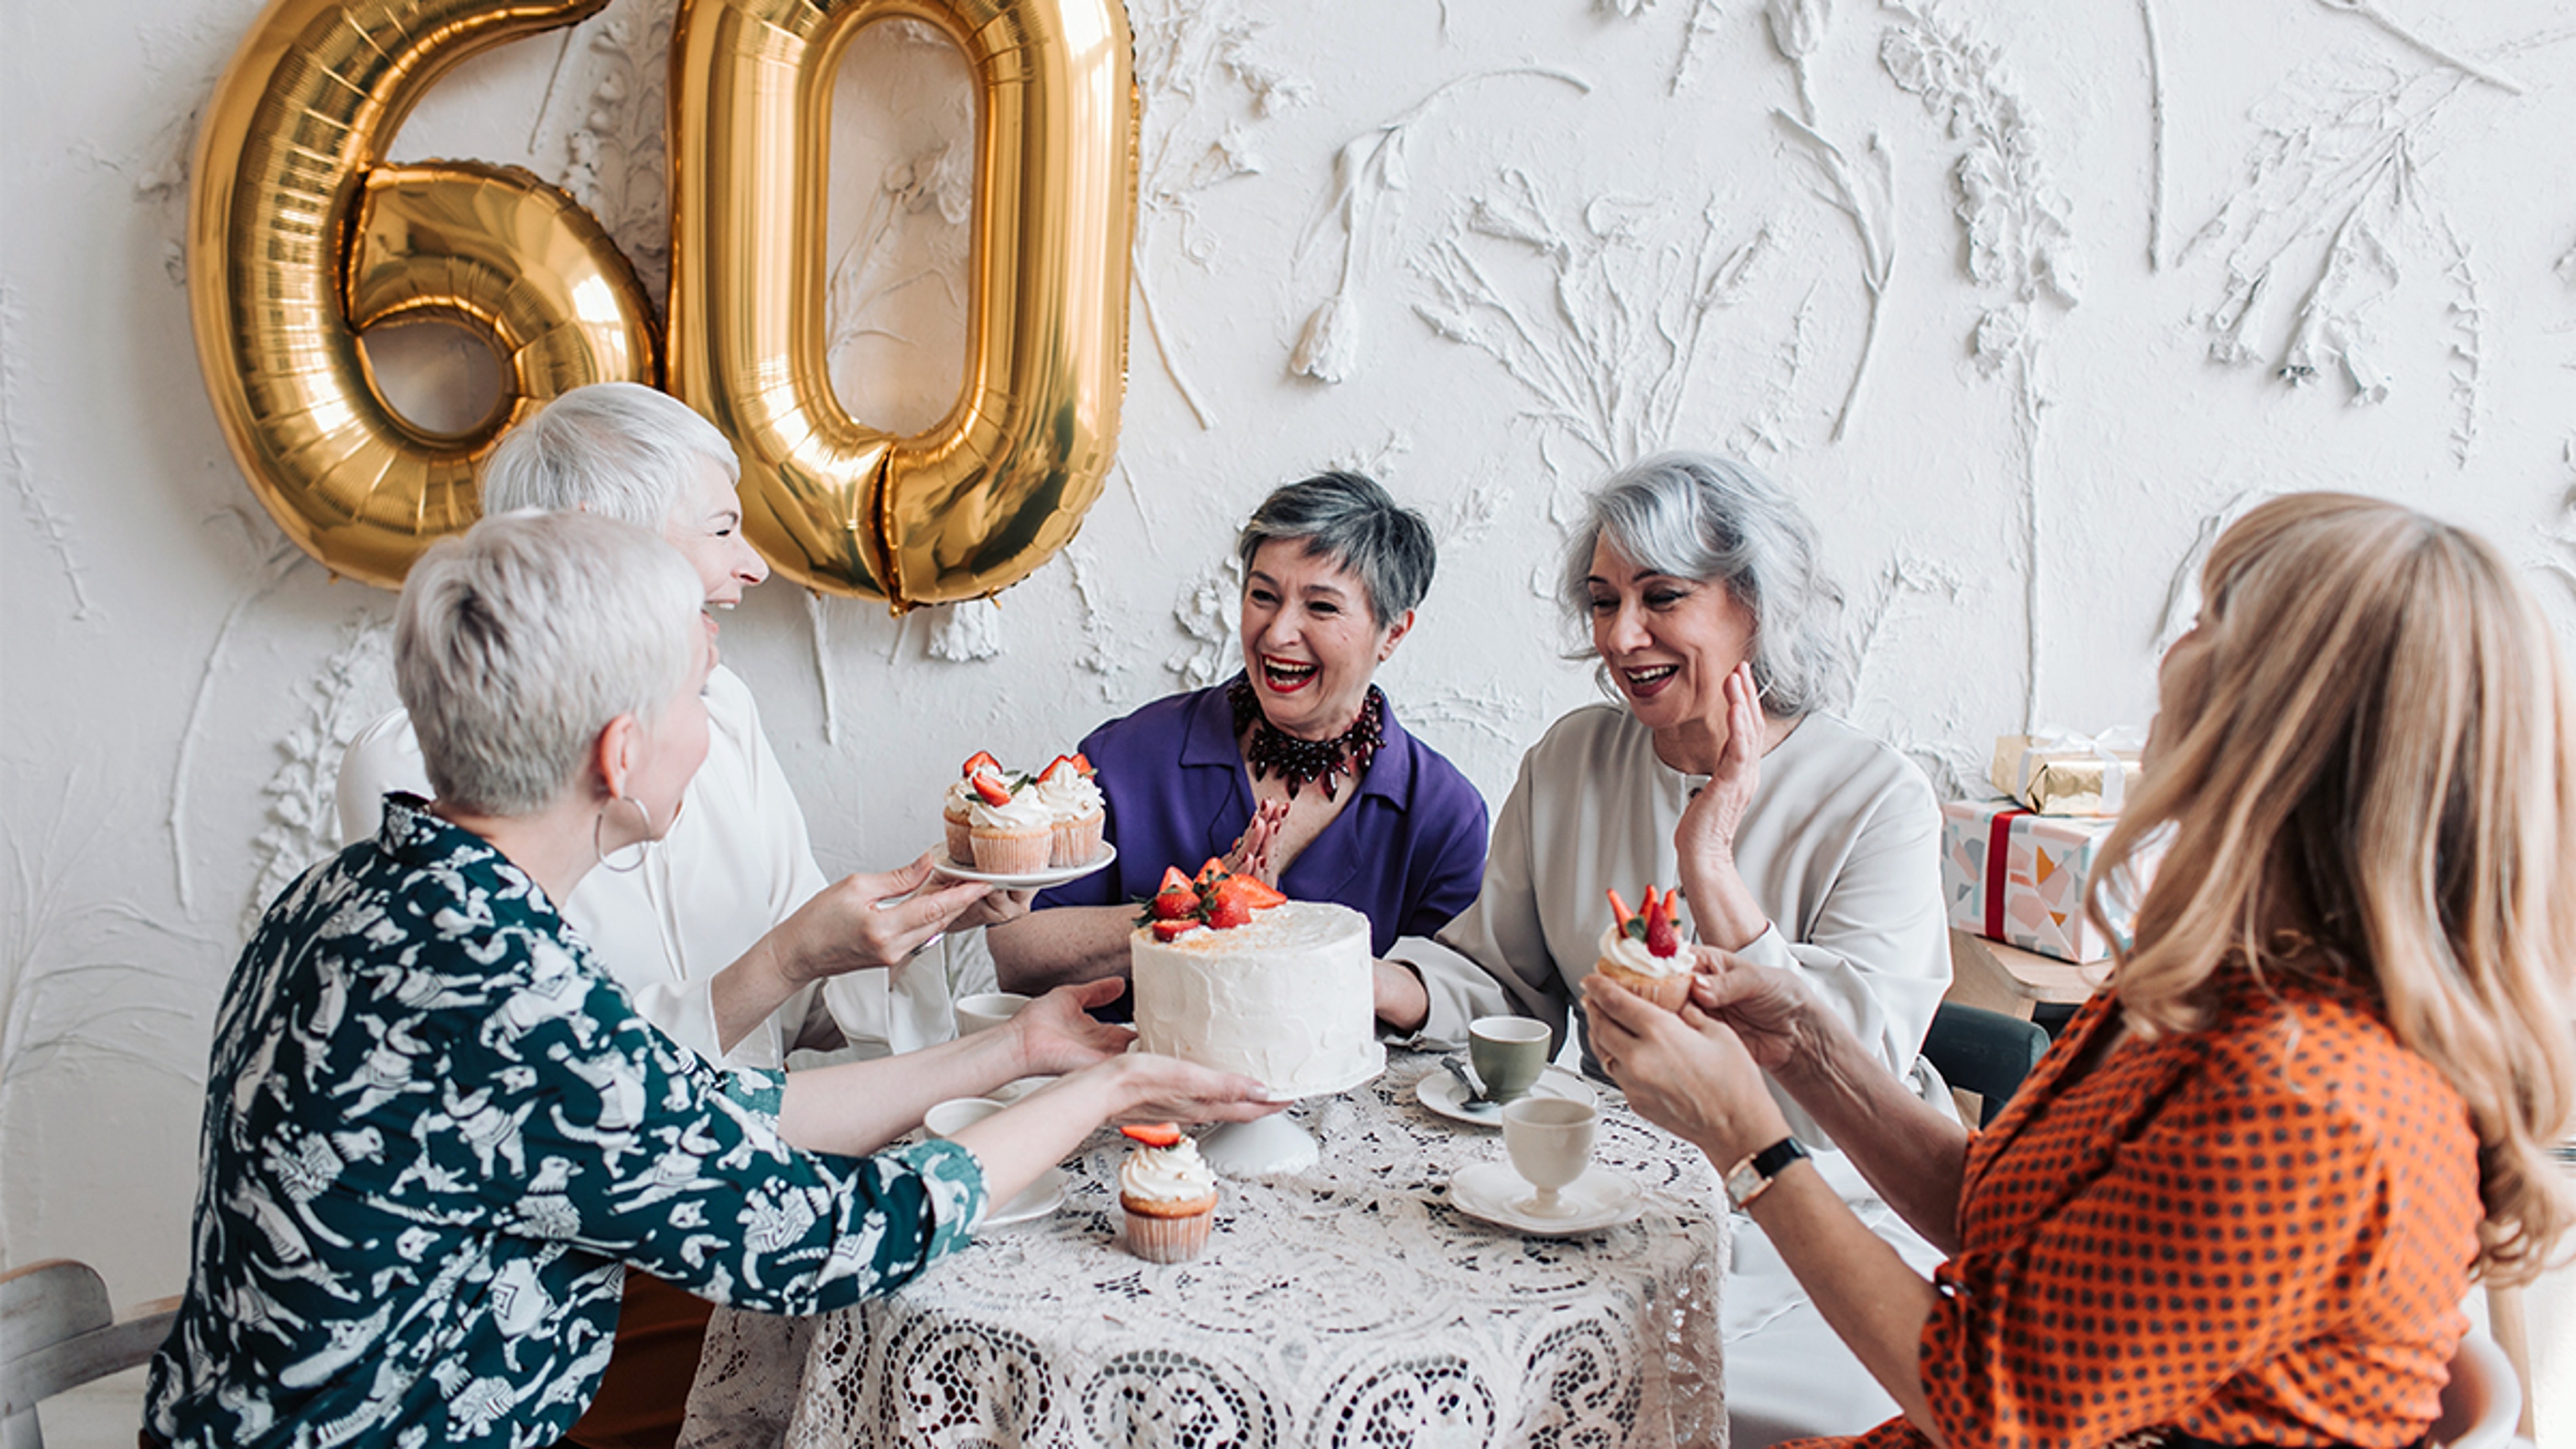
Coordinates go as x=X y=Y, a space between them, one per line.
x=1300 y=761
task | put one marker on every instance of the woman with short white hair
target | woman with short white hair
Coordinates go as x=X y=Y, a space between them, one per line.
x=725 y=932
x=1797 y=841
x=436 y=1130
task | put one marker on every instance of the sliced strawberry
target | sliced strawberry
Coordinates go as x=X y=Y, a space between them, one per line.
x=978 y=762
x=1176 y=905
x=1212 y=872
x=1660 y=940
x=1258 y=893
x=1083 y=764
x=1064 y=760
x=1173 y=880
x=1229 y=911
x=993 y=791
x=1154 y=1134
x=1170 y=931
x=1619 y=910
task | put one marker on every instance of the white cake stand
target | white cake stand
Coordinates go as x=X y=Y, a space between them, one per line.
x=1268 y=1146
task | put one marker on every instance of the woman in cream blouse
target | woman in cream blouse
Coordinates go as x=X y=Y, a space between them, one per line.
x=1799 y=842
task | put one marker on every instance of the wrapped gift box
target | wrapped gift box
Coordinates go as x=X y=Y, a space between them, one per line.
x=2017 y=877
x=2069 y=774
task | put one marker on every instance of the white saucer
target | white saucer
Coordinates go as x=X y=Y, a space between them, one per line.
x=1026 y=880
x=1042 y=1197
x=1446 y=1095
x=1598 y=1199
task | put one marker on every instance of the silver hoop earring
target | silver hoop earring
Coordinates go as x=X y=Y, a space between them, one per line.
x=599 y=823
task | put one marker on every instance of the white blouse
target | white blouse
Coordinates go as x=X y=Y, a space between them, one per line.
x=735 y=865
x=1840 y=846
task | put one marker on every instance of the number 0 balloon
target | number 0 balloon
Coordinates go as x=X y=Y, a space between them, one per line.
x=1002 y=482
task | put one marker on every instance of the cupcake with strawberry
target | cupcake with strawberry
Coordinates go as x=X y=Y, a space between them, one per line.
x=955 y=811
x=1169 y=1193
x=1076 y=809
x=1011 y=830
x=1643 y=951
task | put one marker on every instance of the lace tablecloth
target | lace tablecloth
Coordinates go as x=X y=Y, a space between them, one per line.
x=1347 y=1305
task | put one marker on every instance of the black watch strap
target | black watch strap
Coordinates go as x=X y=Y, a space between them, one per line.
x=1748 y=1178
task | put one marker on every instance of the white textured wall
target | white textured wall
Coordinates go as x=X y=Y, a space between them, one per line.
x=1482 y=248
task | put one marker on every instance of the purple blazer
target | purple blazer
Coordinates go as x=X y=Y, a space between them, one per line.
x=1408 y=852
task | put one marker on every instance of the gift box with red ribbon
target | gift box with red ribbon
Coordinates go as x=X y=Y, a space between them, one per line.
x=2017 y=877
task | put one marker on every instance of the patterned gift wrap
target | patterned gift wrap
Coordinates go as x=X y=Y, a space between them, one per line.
x=2013 y=876
x=2068 y=774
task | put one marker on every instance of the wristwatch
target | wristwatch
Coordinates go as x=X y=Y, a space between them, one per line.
x=1748 y=1179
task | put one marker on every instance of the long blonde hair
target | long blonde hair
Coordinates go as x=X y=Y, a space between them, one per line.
x=2371 y=777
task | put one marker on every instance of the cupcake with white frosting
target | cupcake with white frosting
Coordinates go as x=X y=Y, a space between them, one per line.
x=1078 y=811
x=1644 y=951
x=956 y=809
x=1014 y=835
x=1169 y=1193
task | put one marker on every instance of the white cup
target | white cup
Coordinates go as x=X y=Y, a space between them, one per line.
x=957 y=1114
x=1550 y=1140
x=987 y=1009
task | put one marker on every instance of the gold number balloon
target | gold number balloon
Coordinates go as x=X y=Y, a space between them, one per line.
x=998 y=485
x=299 y=239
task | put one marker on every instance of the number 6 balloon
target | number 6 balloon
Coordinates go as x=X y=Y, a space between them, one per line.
x=998 y=485
x=300 y=238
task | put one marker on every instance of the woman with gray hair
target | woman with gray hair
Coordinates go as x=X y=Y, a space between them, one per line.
x=1295 y=770
x=726 y=933
x=437 y=1133
x=1797 y=841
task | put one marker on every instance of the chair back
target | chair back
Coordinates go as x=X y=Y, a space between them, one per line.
x=57 y=1331
x=2482 y=1404
x=1985 y=1052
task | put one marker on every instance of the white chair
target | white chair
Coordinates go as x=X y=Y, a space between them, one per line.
x=2482 y=1404
x=58 y=1332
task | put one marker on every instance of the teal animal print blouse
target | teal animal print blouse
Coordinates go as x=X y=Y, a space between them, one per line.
x=435 y=1135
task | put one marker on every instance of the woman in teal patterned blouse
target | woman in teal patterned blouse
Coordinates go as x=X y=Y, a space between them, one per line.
x=436 y=1133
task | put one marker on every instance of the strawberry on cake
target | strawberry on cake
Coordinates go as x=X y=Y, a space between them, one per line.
x=1231 y=974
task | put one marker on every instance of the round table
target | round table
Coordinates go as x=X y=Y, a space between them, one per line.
x=1345 y=1305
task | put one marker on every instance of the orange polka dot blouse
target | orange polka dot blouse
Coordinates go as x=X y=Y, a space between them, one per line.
x=2257 y=1233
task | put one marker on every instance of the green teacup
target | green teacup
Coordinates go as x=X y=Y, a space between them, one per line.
x=1508 y=1053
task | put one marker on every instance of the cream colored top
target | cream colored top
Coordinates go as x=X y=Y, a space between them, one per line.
x=1841 y=846
x=733 y=866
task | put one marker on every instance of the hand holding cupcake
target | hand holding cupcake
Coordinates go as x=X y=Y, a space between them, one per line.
x=1644 y=951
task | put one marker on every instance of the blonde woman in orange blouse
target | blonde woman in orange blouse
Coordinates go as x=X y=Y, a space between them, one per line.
x=2240 y=1201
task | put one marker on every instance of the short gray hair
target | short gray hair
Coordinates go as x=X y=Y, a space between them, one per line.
x=1352 y=523
x=1711 y=519
x=617 y=449
x=516 y=644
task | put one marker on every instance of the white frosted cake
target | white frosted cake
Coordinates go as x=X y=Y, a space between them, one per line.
x=1287 y=998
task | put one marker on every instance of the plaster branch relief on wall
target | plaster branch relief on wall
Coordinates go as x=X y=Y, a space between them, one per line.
x=912 y=232
x=2371 y=12
x=77 y=974
x=2468 y=314
x=1499 y=712
x=1608 y=350
x=2343 y=157
x=1103 y=653
x=1366 y=205
x=818 y=628
x=49 y=524
x=2018 y=242
x=1184 y=48
x=283 y=558
x=969 y=632
x=1864 y=191
x=1210 y=613
x=2157 y=183
x=353 y=686
x=614 y=156
x=1766 y=428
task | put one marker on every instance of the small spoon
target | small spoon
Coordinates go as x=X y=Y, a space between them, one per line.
x=1475 y=1090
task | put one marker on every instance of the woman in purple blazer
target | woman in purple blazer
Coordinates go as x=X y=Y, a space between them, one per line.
x=1295 y=769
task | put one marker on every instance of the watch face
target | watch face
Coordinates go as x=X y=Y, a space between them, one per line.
x=1741 y=1183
